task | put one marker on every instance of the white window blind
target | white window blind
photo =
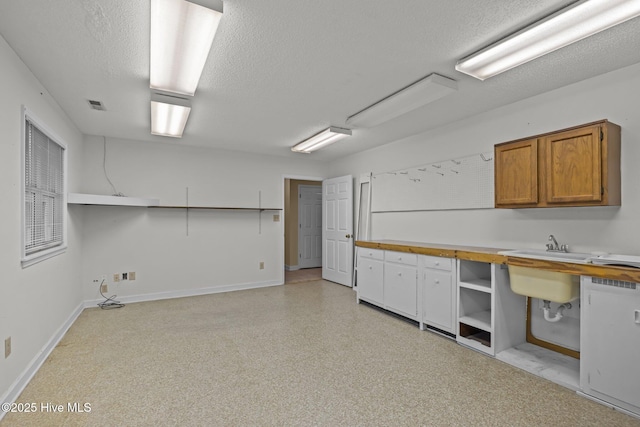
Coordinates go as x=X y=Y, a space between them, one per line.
x=44 y=189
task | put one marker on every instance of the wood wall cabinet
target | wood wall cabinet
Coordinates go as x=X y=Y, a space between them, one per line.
x=579 y=166
x=516 y=173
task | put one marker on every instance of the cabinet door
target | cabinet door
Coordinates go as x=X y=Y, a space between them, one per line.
x=370 y=277
x=573 y=166
x=401 y=289
x=610 y=353
x=438 y=300
x=516 y=173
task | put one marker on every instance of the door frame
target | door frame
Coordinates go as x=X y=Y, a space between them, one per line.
x=282 y=227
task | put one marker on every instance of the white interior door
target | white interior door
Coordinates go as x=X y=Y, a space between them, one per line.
x=309 y=226
x=337 y=230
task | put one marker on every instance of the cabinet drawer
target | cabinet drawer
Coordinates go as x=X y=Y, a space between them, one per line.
x=401 y=258
x=439 y=263
x=371 y=253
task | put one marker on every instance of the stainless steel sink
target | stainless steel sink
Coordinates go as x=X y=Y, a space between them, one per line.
x=575 y=257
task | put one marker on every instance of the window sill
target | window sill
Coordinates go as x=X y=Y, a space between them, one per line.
x=41 y=256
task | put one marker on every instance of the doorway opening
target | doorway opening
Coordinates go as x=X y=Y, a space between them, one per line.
x=302 y=229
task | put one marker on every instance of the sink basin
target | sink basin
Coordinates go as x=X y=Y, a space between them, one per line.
x=575 y=257
x=543 y=284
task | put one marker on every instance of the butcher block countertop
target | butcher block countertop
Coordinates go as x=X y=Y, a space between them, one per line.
x=482 y=254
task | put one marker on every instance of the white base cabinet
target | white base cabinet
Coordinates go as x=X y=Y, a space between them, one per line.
x=473 y=301
x=419 y=287
x=389 y=280
x=370 y=275
x=610 y=342
x=438 y=286
x=401 y=283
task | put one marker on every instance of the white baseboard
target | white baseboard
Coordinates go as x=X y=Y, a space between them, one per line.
x=610 y=405
x=188 y=292
x=21 y=382
x=18 y=386
x=291 y=267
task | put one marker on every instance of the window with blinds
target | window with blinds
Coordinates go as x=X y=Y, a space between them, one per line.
x=44 y=190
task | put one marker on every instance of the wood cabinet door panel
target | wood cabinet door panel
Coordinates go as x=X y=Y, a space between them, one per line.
x=516 y=173
x=574 y=166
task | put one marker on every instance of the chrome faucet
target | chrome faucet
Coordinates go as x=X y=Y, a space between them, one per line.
x=554 y=247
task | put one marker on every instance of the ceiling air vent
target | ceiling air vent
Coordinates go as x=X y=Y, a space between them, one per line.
x=96 y=105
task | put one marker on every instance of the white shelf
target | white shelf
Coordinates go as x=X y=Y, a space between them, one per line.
x=480 y=320
x=482 y=285
x=96 y=199
x=218 y=208
x=553 y=366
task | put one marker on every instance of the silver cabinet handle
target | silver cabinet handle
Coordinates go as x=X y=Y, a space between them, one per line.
x=400 y=274
x=370 y=268
x=637 y=316
x=437 y=281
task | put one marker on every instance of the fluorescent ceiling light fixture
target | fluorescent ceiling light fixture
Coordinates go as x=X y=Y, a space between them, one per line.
x=169 y=115
x=322 y=139
x=425 y=91
x=576 y=22
x=181 y=36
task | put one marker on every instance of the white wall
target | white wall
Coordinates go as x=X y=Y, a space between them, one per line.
x=36 y=301
x=223 y=248
x=612 y=96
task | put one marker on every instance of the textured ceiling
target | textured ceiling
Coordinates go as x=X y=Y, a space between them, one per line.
x=282 y=70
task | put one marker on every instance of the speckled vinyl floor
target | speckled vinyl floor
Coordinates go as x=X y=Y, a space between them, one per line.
x=293 y=355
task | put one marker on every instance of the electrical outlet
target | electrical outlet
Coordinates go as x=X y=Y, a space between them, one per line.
x=104 y=288
x=7 y=347
x=116 y=277
x=132 y=275
x=276 y=218
x=261 y=265
x=124 y=276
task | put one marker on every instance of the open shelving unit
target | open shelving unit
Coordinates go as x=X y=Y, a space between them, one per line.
x=187 y=207
x=101 y=200
x=484 y=295
x=475 y=304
